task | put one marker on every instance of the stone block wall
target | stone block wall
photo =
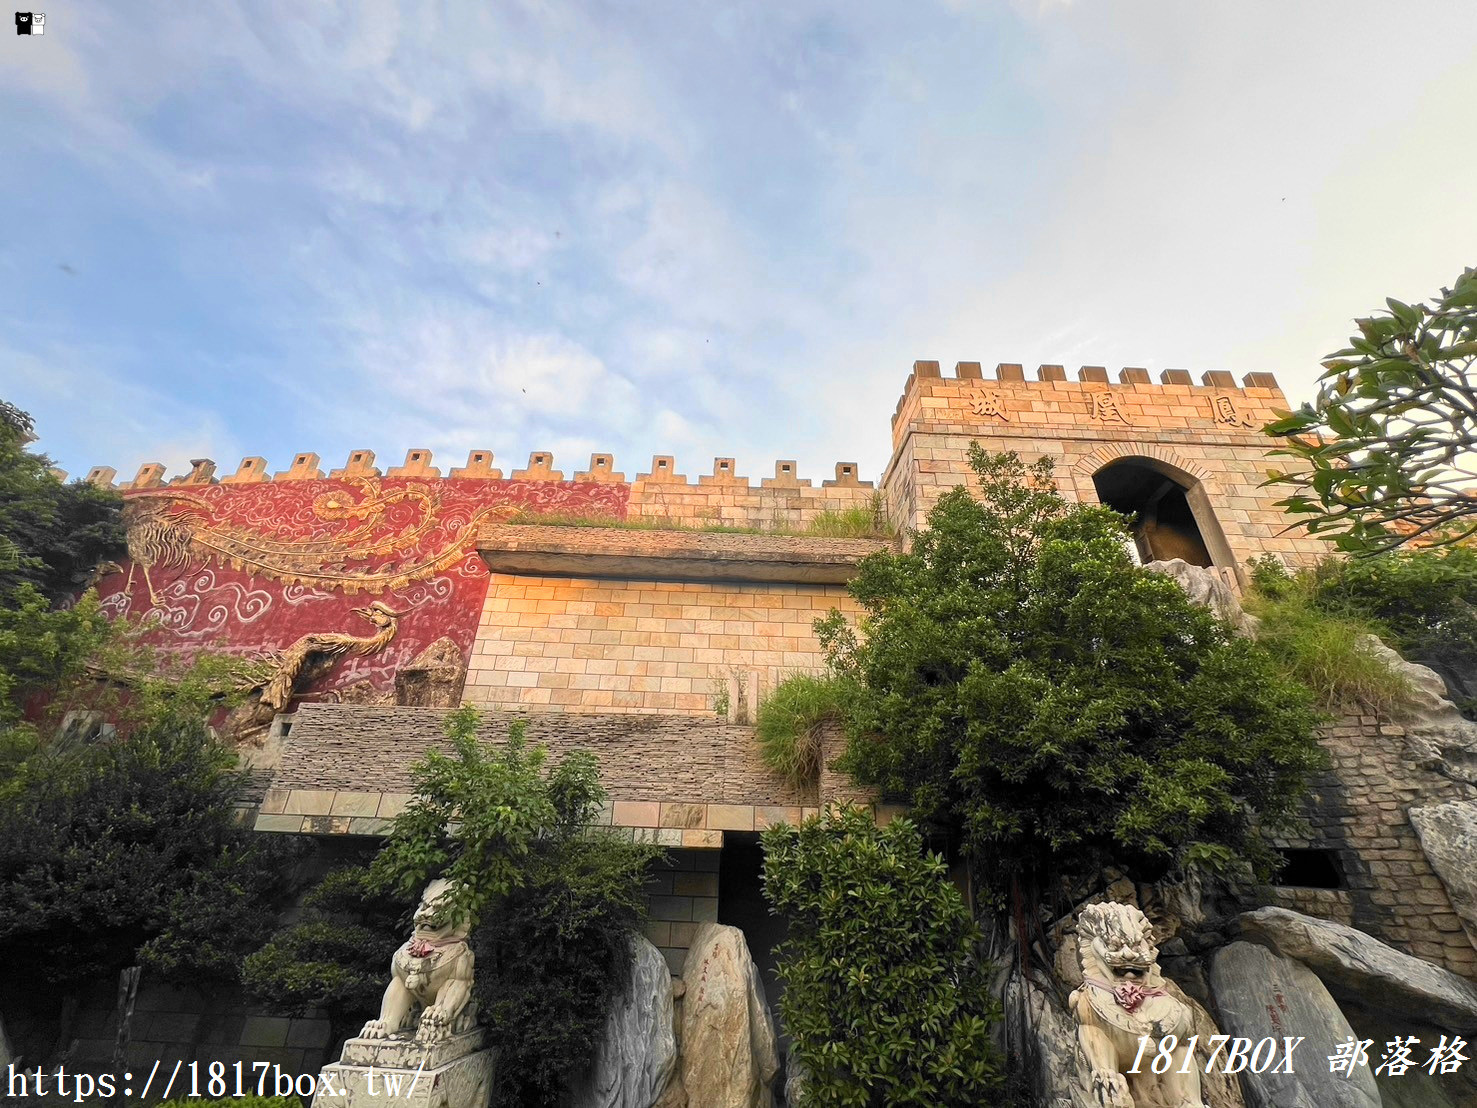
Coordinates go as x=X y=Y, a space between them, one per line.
x=681 y=894
x=208 y=1024
x=591 y=645
x=1359 y=809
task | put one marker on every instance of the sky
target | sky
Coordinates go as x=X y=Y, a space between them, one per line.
x=691 y=228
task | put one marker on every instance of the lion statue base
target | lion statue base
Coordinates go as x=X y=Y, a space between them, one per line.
x=1123 y=1012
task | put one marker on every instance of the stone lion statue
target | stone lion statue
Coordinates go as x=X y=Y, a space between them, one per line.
x=1121 y=1001
x=431 y=973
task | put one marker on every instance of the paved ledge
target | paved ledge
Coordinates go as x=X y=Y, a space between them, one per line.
x=654 y=555
x=693 y=826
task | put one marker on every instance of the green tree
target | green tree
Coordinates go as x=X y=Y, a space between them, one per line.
x=1384 y=454
x=52 y=534
x=336 y=957
x=119 y=852
x=1018 y=679
x=884 y=1001
x=557 y=900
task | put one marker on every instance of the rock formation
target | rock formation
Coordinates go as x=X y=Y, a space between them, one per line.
x=636 y=1062
x=1448 y=836
x=1205 y=587
x=434 y=679
x=1359 y=966
x=1260 y=995
x=728 y=1044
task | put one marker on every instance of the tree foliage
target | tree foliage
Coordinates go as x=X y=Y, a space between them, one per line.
x=122 y=851
x=1385 y=452
x=557 y=901
x=1018 y=678
x=884 y=999
x=52 y=534
x=118 y=839
x=336 y=957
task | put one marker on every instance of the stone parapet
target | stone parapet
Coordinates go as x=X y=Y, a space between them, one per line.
x=642 y=554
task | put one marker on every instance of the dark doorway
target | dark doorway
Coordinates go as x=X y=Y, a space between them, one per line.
x=741 y=904
x=1163 y=523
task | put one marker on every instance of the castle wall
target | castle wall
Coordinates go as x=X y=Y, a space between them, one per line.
x=1207 y=434
x=588 y=644
x=253 y=561
x=247 y=568
x=1359 y=808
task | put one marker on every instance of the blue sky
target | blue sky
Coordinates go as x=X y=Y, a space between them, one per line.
x=690 y=228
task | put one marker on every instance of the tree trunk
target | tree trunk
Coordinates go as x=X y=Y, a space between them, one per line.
x=127 y=995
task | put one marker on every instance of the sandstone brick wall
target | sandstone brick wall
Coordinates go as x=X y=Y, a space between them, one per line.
x=681 y=894
x=1359 y=808
x=1207 y=432
x=591 y=645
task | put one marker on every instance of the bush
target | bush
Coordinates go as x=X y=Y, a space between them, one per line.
x=554 y=958
x=1424 y=603
x=336 y=958
x=1017 y=678
x=557 y=901
x=1325 y=650
x=789 y=722
x=884 y=1001
x=129 y=850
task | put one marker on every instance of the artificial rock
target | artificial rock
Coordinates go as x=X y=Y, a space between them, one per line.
x=1260 y=994
x=636 y=1061
x=1207 y=588
x=728 y=1045
x=1361 y=967
x=1438 y=734
x=1448 y=835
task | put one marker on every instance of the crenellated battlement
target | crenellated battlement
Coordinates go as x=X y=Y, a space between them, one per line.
x=418 y=464
x=1053 y=378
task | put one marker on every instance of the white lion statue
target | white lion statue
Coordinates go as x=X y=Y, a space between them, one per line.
x=431 y=973
x=1121 y=1003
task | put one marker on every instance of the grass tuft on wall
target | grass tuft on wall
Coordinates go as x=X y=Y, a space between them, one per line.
x=1327 y=651
x=789 y=724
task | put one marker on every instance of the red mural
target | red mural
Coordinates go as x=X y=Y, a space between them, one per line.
x=253 y=568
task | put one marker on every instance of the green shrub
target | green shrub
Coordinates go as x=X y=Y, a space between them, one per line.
x=884 y=1000
x=864 y=521
x=554 y=958
x=1324 y=649
x=789 y=724
x=557 y=901
x=1423 y=601
x=336 y=958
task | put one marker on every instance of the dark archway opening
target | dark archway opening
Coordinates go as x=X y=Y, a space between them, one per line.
x=1163 y=522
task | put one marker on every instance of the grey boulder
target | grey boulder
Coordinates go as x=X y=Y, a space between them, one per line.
x=1361 y=967
x=1260 y=994
x=637 y=1057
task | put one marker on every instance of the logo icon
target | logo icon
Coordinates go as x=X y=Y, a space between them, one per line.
x=28 y=23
